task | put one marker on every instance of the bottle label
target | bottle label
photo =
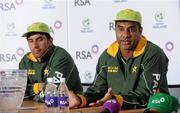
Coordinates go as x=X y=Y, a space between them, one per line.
x=63 y=101
x=51 y=101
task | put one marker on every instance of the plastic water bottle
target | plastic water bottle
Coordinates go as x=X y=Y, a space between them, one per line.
x=63 y=98
x=51 y=96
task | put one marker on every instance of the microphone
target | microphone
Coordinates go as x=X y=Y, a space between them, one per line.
x=111 y=106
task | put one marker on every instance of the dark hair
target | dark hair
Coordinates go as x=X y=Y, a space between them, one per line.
x=128 y=21
x=41 y=33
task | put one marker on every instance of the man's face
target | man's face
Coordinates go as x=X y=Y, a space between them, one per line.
x=128 y=34
x=39 y=44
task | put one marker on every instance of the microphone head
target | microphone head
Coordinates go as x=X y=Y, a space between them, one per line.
x=112 y=105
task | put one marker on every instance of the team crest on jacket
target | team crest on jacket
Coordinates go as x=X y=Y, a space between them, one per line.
x=134 y=69
x=46 y=72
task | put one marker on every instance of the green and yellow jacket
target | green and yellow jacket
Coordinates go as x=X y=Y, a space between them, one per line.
x=132 y=81
x=56 y=63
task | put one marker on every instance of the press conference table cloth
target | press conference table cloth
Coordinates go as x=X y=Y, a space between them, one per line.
x=35 y=107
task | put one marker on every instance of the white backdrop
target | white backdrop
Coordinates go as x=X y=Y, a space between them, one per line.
x=86 y=27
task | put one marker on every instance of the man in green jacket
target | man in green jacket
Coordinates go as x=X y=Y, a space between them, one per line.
x=129 y=70
x=46 y=60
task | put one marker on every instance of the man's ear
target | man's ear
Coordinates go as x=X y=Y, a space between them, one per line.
x=51 y=40
x=140 y=29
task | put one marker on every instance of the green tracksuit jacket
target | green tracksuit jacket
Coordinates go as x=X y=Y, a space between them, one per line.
x=135 y=80
x=56 y=63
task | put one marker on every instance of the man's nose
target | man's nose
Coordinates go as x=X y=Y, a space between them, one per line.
x=36 y=45
x=126 y=34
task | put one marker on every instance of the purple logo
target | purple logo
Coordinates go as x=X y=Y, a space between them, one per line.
x=19 y=2
x=169 y=46
x=20 y=51
x=51 y=101
x=95 y=49
x=58 y=24
x=63 y=101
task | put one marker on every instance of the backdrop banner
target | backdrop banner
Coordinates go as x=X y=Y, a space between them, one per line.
x=85 y=28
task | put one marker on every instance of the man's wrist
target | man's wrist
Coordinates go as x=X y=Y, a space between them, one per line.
x=82 y=101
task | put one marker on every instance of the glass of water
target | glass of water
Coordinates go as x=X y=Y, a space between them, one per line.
x=12 y=89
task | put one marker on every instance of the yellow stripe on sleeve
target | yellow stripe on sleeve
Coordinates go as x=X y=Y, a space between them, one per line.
x=119 y=98
x=36 y=88
x=83 y=101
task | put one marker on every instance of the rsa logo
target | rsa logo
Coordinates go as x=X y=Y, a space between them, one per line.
x=87 y=54
x=7 y=57
x=81 y=2
x=83 y=55
x=7 y=6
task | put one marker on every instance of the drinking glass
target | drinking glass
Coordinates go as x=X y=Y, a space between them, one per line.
x=12 y=89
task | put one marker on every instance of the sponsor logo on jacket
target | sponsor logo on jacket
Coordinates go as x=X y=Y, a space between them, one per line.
x=156 y=79
x=112 y=69
x=31 y=71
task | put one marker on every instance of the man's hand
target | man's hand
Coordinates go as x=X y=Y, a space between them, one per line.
x=106 y=97
x=40 y=86
x=74 y=100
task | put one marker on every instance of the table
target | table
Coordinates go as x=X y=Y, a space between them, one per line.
x=35 y=107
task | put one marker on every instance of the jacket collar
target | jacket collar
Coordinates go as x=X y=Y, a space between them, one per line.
x=31 y=57
x=114 y=47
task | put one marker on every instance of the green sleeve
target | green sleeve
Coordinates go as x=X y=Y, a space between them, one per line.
x=62 y=65
x=100 y=86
